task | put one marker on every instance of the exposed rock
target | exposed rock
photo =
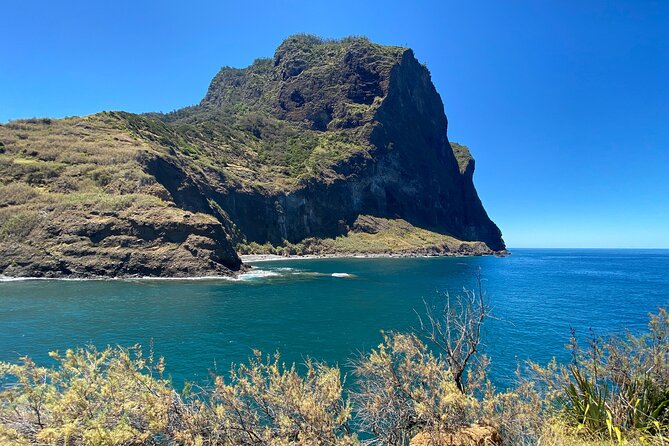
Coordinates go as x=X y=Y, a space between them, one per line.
x=377 y=236
x=155 y=242
x=90 y=228
x=474 y=435
x=381 y=103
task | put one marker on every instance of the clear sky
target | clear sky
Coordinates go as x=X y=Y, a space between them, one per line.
x=565 y=105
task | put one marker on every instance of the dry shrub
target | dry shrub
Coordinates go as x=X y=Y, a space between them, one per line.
x=16 y=193
x=519 y=414
x=403 y=390
x=119 y=397
x=265 y=402
x=110 y=397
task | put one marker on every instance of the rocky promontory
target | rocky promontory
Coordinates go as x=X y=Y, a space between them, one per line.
x=329 y=147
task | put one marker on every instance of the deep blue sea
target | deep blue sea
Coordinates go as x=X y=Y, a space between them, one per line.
x=300 y=309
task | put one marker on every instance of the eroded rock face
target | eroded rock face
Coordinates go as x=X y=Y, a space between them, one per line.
x=153 y=242
x=383 y=100
x=75 y=201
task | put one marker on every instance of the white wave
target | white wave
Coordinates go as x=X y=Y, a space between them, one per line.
x=342 y=275
x=253 y=274
x=257 y=274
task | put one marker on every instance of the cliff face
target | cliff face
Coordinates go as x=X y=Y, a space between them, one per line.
x=377 y=107
x=304 y=145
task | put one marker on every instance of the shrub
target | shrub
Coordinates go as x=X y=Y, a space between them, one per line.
x=16 y=193
x=109 y=397
x=17 y=225
x=265 y=402
x=405 y=390
x=619 y=383
x=614 y=392
x=119 y=397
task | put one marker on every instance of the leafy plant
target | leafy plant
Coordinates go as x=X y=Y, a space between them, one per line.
x=584 y=402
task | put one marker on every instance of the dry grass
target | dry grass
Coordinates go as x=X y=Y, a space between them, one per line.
x=379 y=236
x=397 y=236
x=74 y=162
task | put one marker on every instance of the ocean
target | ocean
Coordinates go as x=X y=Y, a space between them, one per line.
x=334 y=309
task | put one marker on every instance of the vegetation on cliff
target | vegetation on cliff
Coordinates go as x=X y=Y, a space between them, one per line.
x=289 y=150
x=374 y=236
x=76 y=200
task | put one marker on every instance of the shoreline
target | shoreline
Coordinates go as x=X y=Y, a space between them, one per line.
x=258 y=258
x=249 y=260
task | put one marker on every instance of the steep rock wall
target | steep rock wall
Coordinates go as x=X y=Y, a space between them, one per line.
x=410 y=172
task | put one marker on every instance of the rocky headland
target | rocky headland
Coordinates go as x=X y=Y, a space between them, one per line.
x=328 y=148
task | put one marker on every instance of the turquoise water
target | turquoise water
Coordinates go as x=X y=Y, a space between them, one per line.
x=300 y=309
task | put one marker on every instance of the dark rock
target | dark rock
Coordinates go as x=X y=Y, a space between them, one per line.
x=409 y=171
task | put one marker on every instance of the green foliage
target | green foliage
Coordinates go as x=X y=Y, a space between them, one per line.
x=462 y=155
x=584 y=403
x=283 y=127
x=17 y=225
x=617 y=386
x=277 y=142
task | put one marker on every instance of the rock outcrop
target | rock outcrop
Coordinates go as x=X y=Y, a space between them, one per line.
x=77 y=202
x=293 y=148
x=373 y=141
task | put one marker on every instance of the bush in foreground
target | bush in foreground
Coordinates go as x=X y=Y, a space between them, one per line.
x=614 y=392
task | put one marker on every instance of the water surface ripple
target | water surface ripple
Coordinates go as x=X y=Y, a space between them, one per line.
x=332 y=308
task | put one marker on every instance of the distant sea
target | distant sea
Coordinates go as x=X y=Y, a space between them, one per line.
x=332 y=309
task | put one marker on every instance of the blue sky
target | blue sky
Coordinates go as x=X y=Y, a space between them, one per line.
x=565 y=105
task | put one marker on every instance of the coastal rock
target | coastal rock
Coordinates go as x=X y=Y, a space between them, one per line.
x=371 y=140
x=112 y=219
x=328 y=140
x=155 y=242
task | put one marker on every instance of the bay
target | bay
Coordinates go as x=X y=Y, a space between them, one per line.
x=332 y=309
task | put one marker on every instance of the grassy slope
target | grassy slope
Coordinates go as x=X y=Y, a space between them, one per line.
x=93 y=164
x=62 y=182
x=374 y=235
x=72 y=164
